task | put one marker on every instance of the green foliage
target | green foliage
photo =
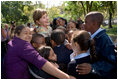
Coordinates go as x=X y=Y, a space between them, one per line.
x=111 y=31
x=2 y=18
x=21 y=11
x=14 y=11
x=73 y=9
x=53 y=12
x=18 y=11
x=76 y=9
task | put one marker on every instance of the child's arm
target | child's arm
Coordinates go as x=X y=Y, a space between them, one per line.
x=50 y=69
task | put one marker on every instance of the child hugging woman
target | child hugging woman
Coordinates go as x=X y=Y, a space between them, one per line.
x=83 y=51
x=48 y=53
x=20 y=53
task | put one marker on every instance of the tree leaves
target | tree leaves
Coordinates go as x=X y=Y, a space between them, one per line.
x=14 y=11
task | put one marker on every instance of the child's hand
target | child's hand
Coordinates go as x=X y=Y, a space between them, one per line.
x=68 y=46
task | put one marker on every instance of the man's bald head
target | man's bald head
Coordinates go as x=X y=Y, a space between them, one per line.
x=95 y=17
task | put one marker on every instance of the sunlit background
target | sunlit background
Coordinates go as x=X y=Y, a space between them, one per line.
x=49 y=3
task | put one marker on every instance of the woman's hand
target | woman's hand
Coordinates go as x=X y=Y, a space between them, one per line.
x=72 y=77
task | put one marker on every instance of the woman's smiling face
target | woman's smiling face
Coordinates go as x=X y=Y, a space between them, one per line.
x=25 y=34
x=44 y=20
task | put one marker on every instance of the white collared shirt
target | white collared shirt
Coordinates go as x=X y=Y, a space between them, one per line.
x=93 y=35
x=99 y=30
x=79 y=55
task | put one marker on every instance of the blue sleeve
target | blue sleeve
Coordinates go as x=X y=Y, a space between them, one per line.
x=107 y=62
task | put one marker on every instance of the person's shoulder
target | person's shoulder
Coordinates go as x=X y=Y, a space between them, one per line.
x=19 y=43
x=60 y=47
x=66 y=49
x=41 y=29
x=63 y=48
x=103 y=38
x=73 y=62
x=27 y=45
x=101 y=34
x=49 y=26
x=16 y=42
x=83 y=60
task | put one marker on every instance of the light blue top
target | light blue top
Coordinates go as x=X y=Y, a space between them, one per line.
x=81 y=55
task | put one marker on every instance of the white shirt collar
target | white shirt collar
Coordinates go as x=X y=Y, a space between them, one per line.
x=79 y=55
x=93 y=35
x=58 y=45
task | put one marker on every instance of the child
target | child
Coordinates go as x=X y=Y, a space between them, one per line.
x=62 y=22
x=69 y=34
x=66 y=42
x=71 y=25
x=80 y=24
x=63 y=53
x=81 y=43
x=48 y=53
x=38 y=40
x=41 y=19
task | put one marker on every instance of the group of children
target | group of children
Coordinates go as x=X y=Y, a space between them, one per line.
x=63 y=48
x=65 y=51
